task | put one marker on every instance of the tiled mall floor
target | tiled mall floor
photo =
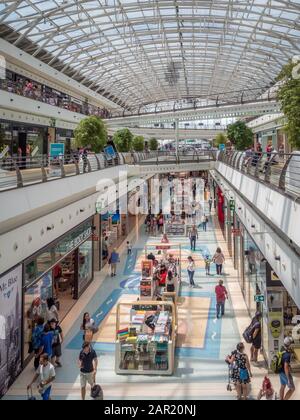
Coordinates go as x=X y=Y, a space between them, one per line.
x=203 y=343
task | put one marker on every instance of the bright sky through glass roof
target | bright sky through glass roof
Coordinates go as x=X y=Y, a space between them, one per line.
x=142 y=52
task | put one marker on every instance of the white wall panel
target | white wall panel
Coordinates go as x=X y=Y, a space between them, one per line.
x=270 y=243
x=283 y=211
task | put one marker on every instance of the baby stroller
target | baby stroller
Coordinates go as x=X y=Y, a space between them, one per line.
x=231 y=367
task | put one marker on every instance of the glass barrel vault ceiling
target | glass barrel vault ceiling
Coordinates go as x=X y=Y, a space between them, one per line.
x=142 y=52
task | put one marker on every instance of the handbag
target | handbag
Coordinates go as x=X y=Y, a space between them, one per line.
x=88 y=336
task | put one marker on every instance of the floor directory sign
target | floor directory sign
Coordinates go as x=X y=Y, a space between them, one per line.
x=57 y=149
x=109 y=152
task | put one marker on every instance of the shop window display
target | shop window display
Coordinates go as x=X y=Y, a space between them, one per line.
x=85 y=265
x=254 y=272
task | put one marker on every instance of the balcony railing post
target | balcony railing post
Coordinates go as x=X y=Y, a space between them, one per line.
x=282 y=179
x=19 y=176
x=44 y=173
x=98 y=162
x=62 y=168
x=259 y=160
x=268 y=172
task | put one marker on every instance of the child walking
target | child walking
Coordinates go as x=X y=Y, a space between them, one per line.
x=207 y=261
x=129 y=248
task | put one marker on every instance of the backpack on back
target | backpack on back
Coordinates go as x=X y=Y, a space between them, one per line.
x=276 y=362
x=247 y=334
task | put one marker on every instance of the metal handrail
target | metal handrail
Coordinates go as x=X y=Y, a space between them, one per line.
x=280 y=170
x=20 y=171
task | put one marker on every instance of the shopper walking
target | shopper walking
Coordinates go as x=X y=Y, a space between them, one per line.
x=191 y=271
x=221 y=296
x=210 y=204
x=46 y=373
x=193 y=235
x=56 y=342
x=52 y=311
x=114 y=260
x=88 y=364
x=219 y=260
x=160 y=222
x=87 y=326
x=286 y=379
x=207 y=261
x=47 y=340
x=204 y=222
x=105 y=248
x=242 y=372
x=256 y=336
x=37 y=341
x=129 y=248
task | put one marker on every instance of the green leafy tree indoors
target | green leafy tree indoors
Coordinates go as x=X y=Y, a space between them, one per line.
x=153 y=144
x=240 y=135
x=123 y=140
x=138 y=143
x=220 y=139
x=91 y=132
x=289 y=97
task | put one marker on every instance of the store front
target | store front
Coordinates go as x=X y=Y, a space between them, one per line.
x=67 y=138
x=62 y=270
x=281 y=318
x=23 y=140
x=10 y=327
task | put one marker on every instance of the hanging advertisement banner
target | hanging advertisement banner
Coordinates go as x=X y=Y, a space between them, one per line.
x=10 y=327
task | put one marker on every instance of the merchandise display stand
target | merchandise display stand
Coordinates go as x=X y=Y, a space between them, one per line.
x=146 y=346
x=147 y=284
x=165 y=252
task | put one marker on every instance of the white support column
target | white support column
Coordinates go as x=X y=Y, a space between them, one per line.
x=177 y=135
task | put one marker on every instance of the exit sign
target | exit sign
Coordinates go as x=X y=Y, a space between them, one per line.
x=259 y=298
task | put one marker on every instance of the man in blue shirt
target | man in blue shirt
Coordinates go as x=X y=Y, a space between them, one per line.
x=47 y=340
x=114 y=259
x=285 y=375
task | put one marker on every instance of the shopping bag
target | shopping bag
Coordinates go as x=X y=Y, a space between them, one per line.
x=30 y=396
x=88 y=336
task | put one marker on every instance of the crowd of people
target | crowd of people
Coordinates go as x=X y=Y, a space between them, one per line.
x=31 y=89
x=240 y=371
x=47 y=335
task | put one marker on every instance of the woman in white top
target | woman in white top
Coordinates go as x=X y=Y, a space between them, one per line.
x=88 y=325
x=52 y=311
x=219 y=260
x=191 y=271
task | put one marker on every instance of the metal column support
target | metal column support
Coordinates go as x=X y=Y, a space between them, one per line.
x=177 y=135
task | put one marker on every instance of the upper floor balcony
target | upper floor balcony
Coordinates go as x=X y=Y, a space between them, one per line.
x=33 y=90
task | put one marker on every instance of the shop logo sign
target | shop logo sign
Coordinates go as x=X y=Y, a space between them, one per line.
x=2 y=67
x=6 y=288
x=296 y=69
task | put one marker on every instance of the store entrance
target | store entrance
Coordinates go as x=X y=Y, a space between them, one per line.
x=64 y=283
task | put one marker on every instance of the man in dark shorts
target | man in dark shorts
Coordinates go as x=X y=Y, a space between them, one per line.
x=256 y=336
x=286 y=379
